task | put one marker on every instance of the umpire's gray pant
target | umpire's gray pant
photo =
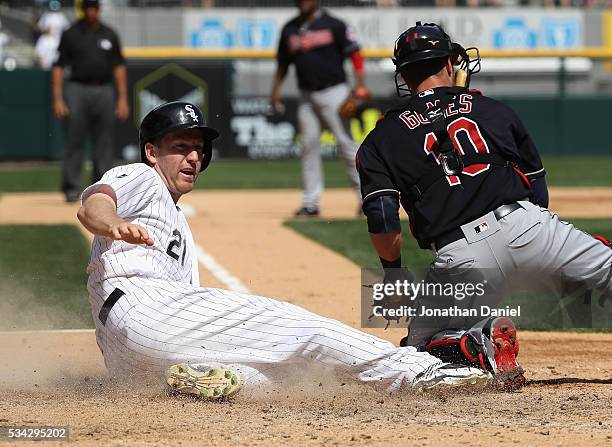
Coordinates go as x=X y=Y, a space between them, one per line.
x=91 y=111
x=317 y=108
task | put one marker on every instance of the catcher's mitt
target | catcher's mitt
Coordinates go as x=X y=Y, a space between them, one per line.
x=356 y=102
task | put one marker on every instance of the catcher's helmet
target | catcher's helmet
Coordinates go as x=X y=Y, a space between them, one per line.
x=173 y=116
x=429 y=41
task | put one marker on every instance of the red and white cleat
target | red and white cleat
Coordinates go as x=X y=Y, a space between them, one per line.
x=509 y=374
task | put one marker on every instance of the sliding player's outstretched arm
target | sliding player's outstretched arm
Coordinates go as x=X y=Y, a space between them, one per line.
x=98 y=213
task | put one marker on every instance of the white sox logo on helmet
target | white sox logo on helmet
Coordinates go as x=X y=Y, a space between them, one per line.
x=191 y=112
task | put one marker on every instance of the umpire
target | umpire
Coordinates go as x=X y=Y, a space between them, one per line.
x=92 y=52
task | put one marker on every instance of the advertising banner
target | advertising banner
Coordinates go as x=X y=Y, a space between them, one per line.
x=154 y=82
x=257 y=132
x=507 y=28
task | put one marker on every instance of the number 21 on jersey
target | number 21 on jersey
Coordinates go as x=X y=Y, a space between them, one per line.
x=174 y=247
x=470 y=129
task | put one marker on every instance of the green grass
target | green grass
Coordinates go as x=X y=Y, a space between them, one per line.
x=43 y=178
x=43 y=275
x=226 y=174
x=350 y=239
x=269 y=174
x=578 y=171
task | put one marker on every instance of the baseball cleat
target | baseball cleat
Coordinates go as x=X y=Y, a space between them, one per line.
x=451 y=374
x=208 y=383
x=509 y=374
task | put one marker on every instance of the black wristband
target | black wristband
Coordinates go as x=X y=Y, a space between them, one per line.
x=396 y=264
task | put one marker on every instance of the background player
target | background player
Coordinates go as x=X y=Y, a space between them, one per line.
x=317 y=44
x=470 y=178
x=51 y=25
x=150 y=311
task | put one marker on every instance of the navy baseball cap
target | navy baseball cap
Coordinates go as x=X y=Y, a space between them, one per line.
x=90 y=4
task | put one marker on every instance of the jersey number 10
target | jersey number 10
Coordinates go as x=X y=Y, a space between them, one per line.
x=472 y=132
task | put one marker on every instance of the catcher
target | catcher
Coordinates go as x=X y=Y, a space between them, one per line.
x=471 y=180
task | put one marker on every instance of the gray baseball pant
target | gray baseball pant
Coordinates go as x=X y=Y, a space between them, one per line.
x=317 y=108
x=530 y=244
x=92 y=111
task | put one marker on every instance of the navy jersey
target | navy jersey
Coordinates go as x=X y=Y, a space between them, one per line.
x=318 y=49
x=403 y=147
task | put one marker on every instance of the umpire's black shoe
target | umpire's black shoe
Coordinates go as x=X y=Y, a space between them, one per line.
x=72 y=196
x=307 y=211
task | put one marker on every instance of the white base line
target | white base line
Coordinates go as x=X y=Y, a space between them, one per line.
x=49 y=331
x=210 y=263
x=223 y=276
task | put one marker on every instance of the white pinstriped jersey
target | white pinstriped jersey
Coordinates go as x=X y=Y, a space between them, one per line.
x=144 y=199
x=157 y=319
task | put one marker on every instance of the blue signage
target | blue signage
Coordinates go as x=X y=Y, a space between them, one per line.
x=212 y=35
x=552 y=33
x=560 y=33
x=258 y=34
x=515 y=34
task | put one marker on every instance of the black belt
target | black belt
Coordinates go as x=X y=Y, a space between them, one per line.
x=109 y=303
x=91 y=81
x=456 y=234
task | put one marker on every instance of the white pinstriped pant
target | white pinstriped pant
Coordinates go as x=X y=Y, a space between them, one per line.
x=158 y=323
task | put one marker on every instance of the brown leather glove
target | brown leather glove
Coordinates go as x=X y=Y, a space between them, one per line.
x=356 y=102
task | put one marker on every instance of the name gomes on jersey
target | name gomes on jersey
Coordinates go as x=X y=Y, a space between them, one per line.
x=414 y=119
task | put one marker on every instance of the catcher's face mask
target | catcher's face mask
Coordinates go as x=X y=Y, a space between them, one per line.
x=426 y=42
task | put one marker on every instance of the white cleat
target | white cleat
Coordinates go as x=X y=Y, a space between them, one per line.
x=208 y=383
x=449 y=374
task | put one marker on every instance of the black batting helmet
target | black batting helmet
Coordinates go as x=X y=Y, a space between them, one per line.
x=429 y=41
x=173 y=116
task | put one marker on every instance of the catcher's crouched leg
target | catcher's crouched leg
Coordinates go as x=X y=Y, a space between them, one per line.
x=491 y=344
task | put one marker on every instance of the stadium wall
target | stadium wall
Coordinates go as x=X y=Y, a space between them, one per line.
x=549 y=104
x=560 y=126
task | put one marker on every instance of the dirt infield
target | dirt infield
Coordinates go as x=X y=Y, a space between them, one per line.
x=59 y=378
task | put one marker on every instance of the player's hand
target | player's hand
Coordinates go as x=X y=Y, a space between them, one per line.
x=277 y=104
x=396 y=301
x=122 y=111
x=60 y=109
x=132 y=233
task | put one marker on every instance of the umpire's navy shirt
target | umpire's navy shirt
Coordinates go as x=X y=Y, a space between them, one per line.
x=91 y=52
x=318 y=49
